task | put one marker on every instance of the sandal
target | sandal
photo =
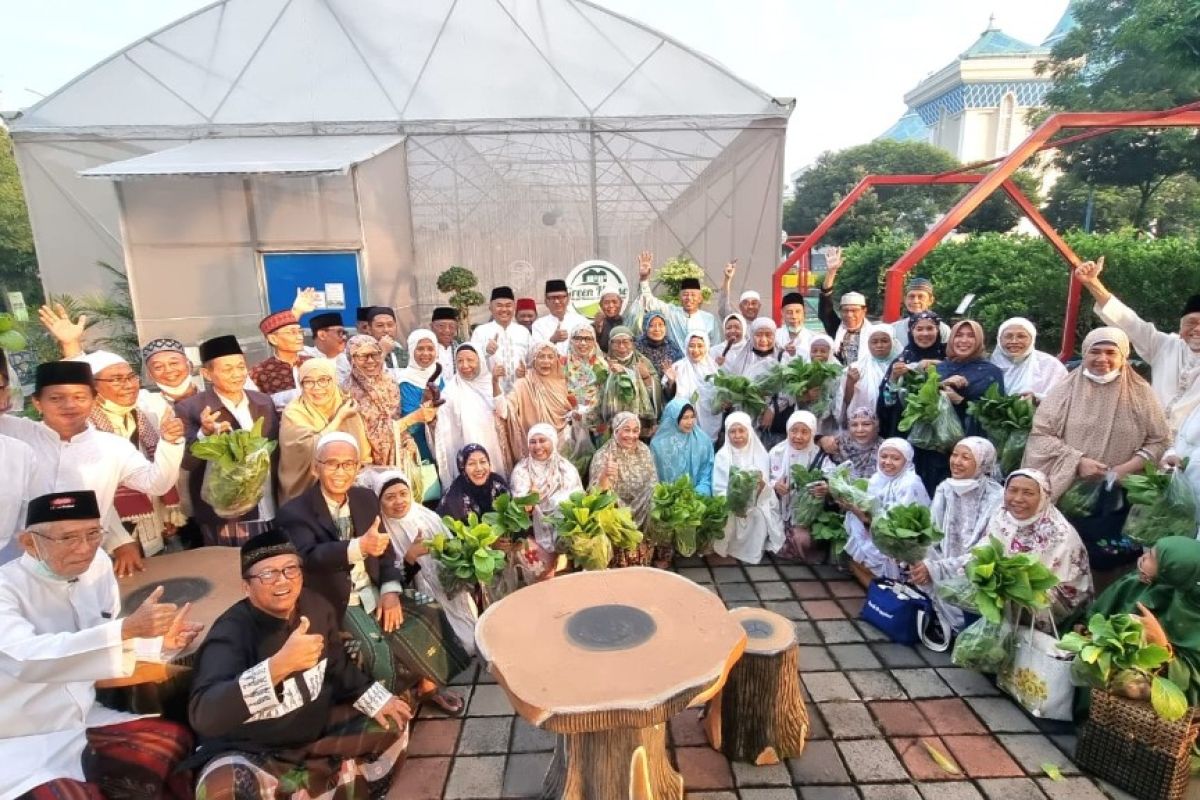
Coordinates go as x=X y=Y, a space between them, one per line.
x=450 y=703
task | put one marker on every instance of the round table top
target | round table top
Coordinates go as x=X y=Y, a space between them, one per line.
x=210 y=578
x=638 y=642
x=767 y=632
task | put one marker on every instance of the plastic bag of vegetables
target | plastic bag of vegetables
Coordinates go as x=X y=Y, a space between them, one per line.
x=1080 y=500
x=1007 y=421
x=737 y=392
x=905 y=532
x=1164 y=504
x=742 y=491
x=591 y=525
x=805 y=507
x=929 y=418
x=830 y=526
x=983 y=646
x=239 y=465
x=851 y=491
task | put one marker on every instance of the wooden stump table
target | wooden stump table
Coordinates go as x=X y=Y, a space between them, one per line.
x=604 y=659
x=759 y=715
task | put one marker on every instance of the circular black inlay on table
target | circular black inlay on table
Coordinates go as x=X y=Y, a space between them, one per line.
x=758 y=628
x=175 y=590
x=610 y=627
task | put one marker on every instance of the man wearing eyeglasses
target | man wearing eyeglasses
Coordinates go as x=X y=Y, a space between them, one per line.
x=74 y=454
x=275 y=699
x=557 y=325
x=276 y=375
x=60 y=633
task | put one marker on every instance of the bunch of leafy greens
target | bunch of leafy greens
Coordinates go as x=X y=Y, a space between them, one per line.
x=805 y=507
x=1007 y=421
x=929 y=417
x=509 y=516
x=466 y=558
x=905 y=532
x=798 y=378
x=983 y=646
x=239 y=463
x=742 y=491
x=851 y=491
x=830 y=526
x=737 y=392
x=681 y=518
x=1113 y=656
x=999 y=578
x=1164 y=504
x=591 y=525
x=1080 y=500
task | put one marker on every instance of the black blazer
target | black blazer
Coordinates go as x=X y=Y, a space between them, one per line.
x=189 y=410
x=307 y=522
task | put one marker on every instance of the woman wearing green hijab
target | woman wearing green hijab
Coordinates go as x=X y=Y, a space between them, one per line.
x=1167 y=586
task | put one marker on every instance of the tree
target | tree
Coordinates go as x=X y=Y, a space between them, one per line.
x=18 y=263
x=1129 y=55
x=1174 y=209
x=907 y=209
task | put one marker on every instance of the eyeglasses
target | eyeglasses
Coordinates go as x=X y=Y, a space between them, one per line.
x=270 y=576
x=320 y=383
x=367 y=357
x=340 y=466
x=131 y=378
x=70 y=542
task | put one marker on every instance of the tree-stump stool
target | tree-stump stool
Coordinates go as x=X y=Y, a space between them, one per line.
x=604 y=659
x=759 y=715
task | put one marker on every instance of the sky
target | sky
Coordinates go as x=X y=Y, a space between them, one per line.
x=847 y=62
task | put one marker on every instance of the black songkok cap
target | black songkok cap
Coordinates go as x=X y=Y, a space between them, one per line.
x=363 y=314
x=319 y=322
x=793 y=299
x=503 y=293
x=60 y=373
x=689 y=283
x=444 y=312
x=376 y=311
x=1192 y=305
x=268 y=544
x=218 y=347
x=555 y=286
x=62 y=506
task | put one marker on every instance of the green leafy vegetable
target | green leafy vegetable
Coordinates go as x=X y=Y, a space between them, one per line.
x=741 y=393
x=800 y=379
x=680 y=517
x=1080 y=500
x=851 y=491
x=466 y=557
x=929 y=417
x=805 y=507
x=1113 y=655
x=830 y=526
x=983 y=646
x=591 y=525
x=905 y=532
x=239 y=463
x=742 y=491
x=508 y=516
x=1163 y=504
x=999 y=578
x=1007 y=421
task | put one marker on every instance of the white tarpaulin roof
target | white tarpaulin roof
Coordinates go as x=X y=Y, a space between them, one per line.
x=257 y=155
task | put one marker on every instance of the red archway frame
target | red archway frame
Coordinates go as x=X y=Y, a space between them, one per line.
x=1099 y=123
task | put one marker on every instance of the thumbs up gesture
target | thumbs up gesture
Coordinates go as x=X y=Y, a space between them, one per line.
x=374 y=541
x=301 y=651
x=493 y=345
x=152 y=618
x=170 y=427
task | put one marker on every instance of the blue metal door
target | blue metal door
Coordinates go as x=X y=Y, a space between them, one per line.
x=334 y=273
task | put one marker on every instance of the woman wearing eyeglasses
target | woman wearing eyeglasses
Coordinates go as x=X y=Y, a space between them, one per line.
x=321 y=408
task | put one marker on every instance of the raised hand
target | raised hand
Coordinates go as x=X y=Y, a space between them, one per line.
x=171 y=427
x=374 y=542
x=645 y=264
x=212 y=424
x=151 y=618
x=560 y=335
x=493 y=345
x=181 y=633
x=1089 y=271
x=58 y=322
x=301 y=651
x=306 y=301
x=730 y=270
x=833 y=259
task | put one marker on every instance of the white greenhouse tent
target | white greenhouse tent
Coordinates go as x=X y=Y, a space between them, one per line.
x=363 y=146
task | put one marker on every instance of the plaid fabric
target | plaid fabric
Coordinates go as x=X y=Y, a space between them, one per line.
x=233 y=534
x=424 y=646
x=354 y=760
x=129 y=761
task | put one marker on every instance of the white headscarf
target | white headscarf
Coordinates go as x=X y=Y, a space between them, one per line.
x=901 y=488
x=752 y=456
x=749 y=363
x=1032 y=371
x=783 y=455
x=871 y=370
x=828 y=340
x=418 y=523
x=726 y=350
x=481 y=384
x=961 y=509
x=412 y=374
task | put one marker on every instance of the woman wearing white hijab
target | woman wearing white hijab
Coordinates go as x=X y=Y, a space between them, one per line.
x=866 y=375
x=961 y=508
x=800 y=447
x=1026 y=371
x=422 y=365
x=761 y=529
x=690 y=378
x=410 y=526
x=553 y=477
x=736 y=335
x=895 y=483
x=469 y=416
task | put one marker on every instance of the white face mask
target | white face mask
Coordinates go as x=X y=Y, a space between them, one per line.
x=1106 y=378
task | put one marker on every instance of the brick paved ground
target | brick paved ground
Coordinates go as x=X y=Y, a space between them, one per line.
x=872 y=704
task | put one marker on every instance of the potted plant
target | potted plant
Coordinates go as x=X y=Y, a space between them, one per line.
x=460 y=283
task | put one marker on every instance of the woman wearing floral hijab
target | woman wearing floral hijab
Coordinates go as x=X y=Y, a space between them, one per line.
x=632 y=383
x=654 y=343
x=540 y=396
x=580 y=362
x=858 y=444
x=961 y=508
x=553 y=478
x=894 y=483
x=687 y=380
x=625 y=466
x=759 y=529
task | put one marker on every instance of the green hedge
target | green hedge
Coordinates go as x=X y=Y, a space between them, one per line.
x=1015 y=275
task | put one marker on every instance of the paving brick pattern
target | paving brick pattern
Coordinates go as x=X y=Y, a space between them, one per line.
x=875 y=709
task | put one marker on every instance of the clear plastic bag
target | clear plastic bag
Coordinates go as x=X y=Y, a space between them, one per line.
x=1081 y=499
x=942 y=433
x=805 y=506
x=235 y=490
x=1173 y=515
x=983 y=646
x=1012 y=451
x=959 y=592
x=578 y=447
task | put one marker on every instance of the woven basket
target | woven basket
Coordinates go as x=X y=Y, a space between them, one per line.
x=1127 y=744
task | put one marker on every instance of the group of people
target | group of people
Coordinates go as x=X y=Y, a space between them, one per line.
x=375 y=447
